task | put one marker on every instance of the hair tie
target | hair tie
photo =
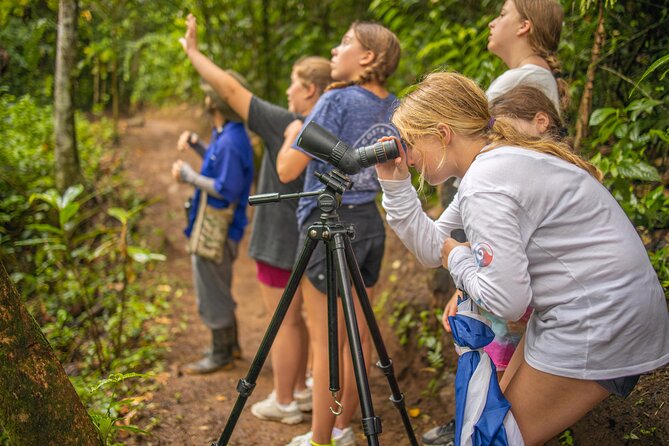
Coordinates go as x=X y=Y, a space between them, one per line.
x=491 y=122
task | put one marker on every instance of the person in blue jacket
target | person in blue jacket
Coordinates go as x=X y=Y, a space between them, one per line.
x=225 y=178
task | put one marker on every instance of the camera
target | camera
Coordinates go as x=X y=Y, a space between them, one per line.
x=327 y=147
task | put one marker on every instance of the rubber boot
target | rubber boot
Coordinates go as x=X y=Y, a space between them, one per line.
x=236 y=349
x=220 y=357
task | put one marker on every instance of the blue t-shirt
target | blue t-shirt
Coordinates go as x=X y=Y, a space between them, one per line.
x=229 y=160
x=359 y=118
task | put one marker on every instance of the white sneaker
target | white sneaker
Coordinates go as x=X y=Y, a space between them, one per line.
x=270 y=409
x=301 y=440
x=303 y=398
x=343 y=437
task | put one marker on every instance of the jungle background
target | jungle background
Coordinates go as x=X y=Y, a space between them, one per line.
x=90 y=242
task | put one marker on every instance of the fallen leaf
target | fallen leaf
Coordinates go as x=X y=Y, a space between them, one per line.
x=414 y=412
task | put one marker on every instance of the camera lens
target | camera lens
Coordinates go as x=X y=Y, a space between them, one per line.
x=378 y=153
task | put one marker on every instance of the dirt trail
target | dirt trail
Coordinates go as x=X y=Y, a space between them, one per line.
x=192 y=410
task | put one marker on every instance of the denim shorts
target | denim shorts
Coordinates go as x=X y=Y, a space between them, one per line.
x=620 y=386
x=368 y=244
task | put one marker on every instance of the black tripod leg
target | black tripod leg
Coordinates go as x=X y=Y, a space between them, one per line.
x=246 y=385
x=385 y=363
x=371 y=424
x=333 y=326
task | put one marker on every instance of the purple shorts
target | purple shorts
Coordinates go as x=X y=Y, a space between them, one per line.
x=271 y=275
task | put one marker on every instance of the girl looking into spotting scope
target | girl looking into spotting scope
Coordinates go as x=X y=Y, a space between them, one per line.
x=531 y=113
x=356 y=109
x=274 y=231
x=543 y=232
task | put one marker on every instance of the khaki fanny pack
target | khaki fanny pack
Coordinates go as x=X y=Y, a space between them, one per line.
x=210 y=230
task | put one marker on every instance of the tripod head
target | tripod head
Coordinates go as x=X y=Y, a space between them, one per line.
x=329 y=199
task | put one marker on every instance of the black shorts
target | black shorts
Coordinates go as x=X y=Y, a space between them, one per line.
x=368 y=244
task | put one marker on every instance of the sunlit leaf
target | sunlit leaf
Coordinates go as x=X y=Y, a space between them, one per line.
x=119 y=214
x=599 y=115
x=142 y=255
x=70 y=195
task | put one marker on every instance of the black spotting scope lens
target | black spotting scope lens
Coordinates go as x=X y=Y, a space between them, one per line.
x=327 y=147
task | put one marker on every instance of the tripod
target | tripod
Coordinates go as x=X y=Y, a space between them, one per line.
x=340 y=261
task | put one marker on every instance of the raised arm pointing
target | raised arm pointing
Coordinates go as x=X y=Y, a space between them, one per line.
x=227 y=87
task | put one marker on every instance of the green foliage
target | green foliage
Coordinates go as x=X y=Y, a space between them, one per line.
x=655 y=66
x=77 y=258
x=440 y=35
x=28 y=35
x=629 y=135
x=107 y=421
x=660 y=261
x=423 y=328
x=566 y=438
x=26 y=167
x=71 y=266
x=129 y=49
x=639 y=432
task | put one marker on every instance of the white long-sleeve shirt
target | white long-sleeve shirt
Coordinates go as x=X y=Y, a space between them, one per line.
x=545 y=233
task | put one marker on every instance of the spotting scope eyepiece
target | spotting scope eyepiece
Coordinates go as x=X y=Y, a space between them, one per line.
x=327 y=147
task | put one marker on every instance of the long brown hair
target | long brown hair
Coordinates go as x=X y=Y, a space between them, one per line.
x=524 y=102
x=386 y=48
x=455 y=100
x=546 y=17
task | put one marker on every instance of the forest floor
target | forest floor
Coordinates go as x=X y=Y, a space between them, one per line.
x=192 y=410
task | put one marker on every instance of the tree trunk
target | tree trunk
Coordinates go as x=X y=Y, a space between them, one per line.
x=38 y=404
x=67 y=157
x=583 y=115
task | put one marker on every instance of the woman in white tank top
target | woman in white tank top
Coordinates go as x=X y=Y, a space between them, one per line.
x=525 y=36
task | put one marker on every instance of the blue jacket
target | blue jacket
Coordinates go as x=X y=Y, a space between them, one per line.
x=229 y=160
